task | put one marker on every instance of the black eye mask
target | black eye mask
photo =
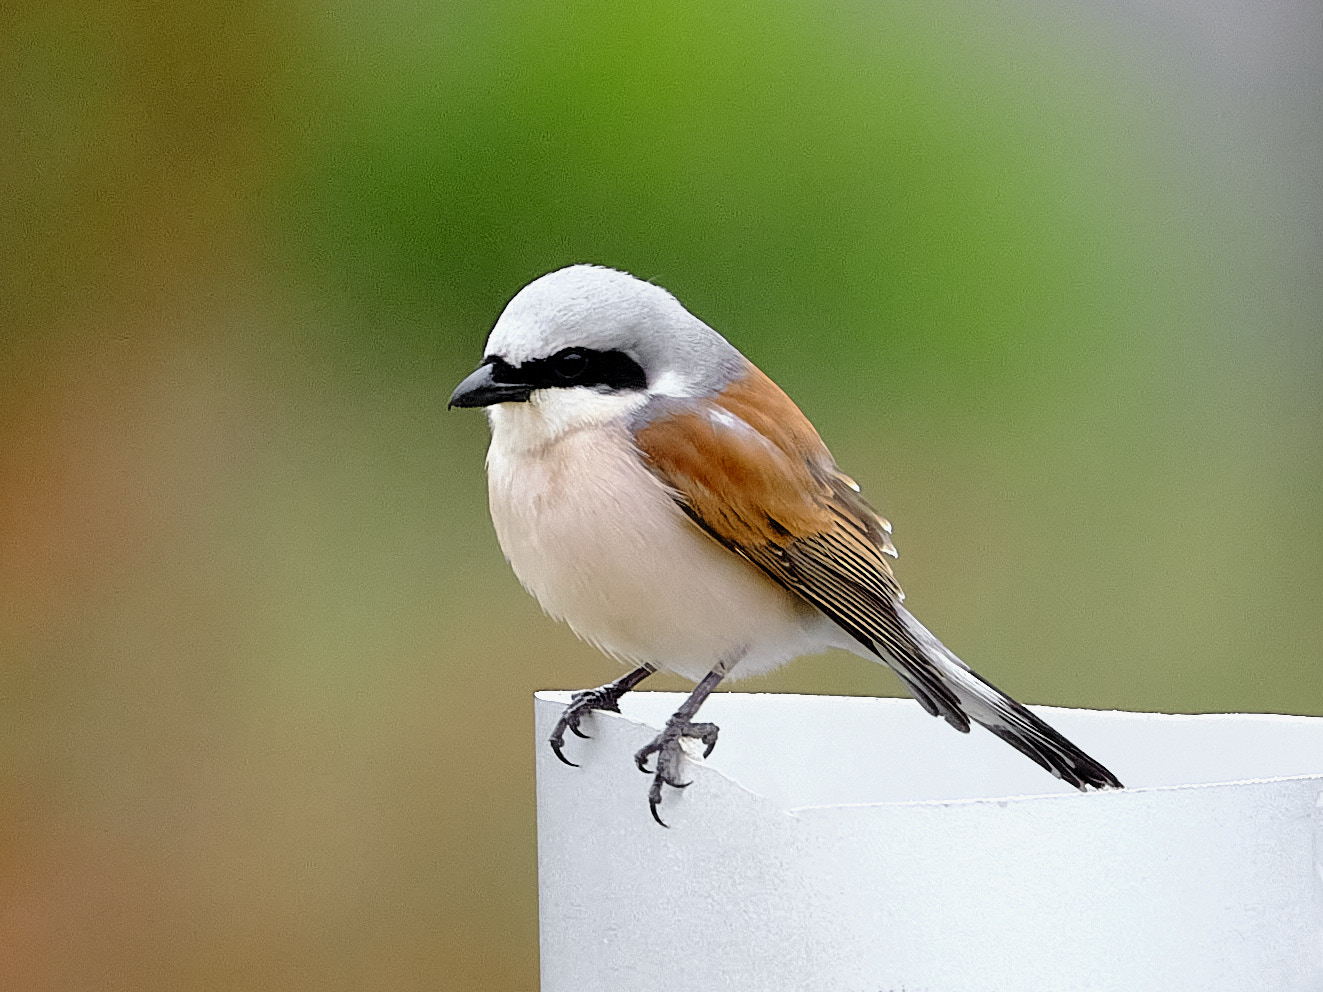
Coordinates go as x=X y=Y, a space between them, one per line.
x=606 y=371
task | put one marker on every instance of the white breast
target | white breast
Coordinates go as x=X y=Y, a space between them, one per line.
x=601 y=544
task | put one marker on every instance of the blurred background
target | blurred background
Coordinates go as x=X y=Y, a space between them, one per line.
x=1047 y=277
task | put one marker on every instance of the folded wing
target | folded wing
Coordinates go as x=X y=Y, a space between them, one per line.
x=749 y=469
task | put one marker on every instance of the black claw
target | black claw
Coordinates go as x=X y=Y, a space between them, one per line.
x=652 y=805
x=555 y=747
x=669 y=776
x=670 y=757
x=606 y=697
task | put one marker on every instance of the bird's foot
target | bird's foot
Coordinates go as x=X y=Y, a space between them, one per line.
x=670 y=754
x=606 y=697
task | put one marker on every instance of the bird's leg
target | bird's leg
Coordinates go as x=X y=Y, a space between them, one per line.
x=666 y=745
x=605 y=697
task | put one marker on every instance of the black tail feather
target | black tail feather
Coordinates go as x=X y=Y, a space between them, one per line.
x=1035 y=739
x=988 y=706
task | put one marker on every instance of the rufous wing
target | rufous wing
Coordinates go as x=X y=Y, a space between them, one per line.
x=750 y=470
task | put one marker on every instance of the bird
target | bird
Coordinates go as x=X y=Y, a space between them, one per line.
x=658 y=492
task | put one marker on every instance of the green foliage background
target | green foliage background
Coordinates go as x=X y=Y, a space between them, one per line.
x=1046 y=278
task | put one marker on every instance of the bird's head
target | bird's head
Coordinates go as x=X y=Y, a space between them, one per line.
x=586 y=344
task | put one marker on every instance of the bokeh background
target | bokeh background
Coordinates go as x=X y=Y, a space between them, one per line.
x=1047 y=276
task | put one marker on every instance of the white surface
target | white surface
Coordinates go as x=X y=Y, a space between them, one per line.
x=858 y=845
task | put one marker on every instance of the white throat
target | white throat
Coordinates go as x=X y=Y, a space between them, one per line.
x=553 y=414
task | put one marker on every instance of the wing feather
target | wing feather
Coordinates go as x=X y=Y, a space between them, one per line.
x=749 y=469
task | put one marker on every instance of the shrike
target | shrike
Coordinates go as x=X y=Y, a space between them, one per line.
x=655 y=490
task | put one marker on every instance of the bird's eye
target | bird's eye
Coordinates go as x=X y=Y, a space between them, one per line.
x=570 y=365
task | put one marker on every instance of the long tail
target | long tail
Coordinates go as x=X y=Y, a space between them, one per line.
x=987 y=705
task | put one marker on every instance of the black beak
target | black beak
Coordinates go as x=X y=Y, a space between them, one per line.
x=481 y=389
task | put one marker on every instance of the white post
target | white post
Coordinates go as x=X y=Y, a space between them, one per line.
x=858 y=845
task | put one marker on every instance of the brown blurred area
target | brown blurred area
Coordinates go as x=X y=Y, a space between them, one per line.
x=265 y=715
x=213 y=776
